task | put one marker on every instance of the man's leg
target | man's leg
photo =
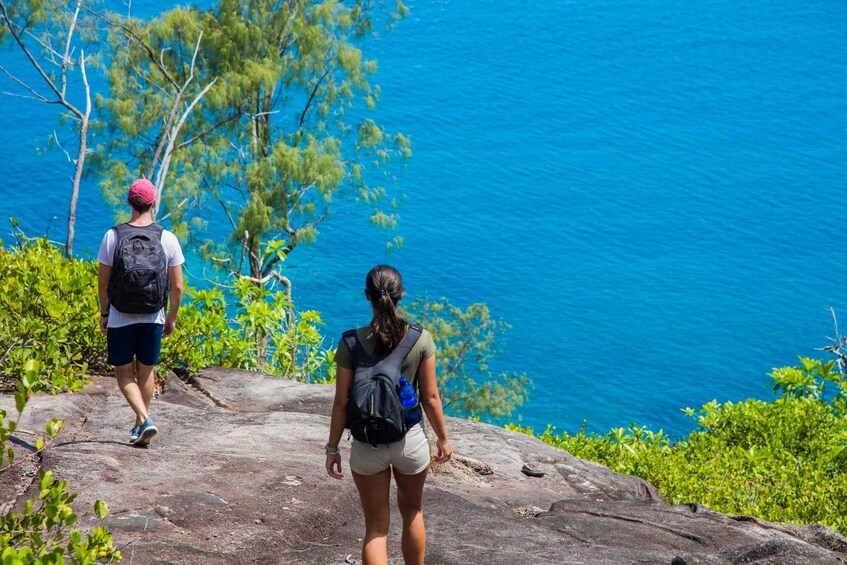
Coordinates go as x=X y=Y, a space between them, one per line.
x=148 y=346
x=146 y=383
x=121 y=348
x=131 y=391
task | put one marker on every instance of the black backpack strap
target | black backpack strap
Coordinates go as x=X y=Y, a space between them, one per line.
x=402 y=350
x=118 y=229
x=360 y=356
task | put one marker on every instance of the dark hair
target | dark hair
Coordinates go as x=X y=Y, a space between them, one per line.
x=139 y=205
x=384 y=288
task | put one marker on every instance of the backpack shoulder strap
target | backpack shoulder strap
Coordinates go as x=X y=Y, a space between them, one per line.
x=157 y=229
x=119 y=230
x=360 y=356
x=402 y=350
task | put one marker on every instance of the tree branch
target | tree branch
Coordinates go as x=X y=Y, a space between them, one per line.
x=19 y=40
x=66 y=56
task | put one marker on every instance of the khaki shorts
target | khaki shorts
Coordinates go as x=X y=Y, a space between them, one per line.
x=409 y=456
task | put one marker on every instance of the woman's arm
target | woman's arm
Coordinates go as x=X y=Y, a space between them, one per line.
x=343 y=377
x=431 y=402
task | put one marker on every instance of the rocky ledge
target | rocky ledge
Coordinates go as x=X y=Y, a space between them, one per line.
x=236 y=475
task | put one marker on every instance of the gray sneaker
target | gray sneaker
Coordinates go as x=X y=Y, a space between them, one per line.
x=145 y=433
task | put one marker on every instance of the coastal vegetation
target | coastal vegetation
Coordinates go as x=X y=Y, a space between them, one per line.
x=782 y=460
x=253 y=117
x=258 y=113
x=56 y=40
x=42 y=531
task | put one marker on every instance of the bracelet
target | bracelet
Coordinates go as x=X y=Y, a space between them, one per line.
x=334 y=451
x=106 y=315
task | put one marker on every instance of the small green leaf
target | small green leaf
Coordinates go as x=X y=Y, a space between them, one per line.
x=70 y=519
x=39 y=444
x=46 y=480
x=101 y=509
x=20 y=400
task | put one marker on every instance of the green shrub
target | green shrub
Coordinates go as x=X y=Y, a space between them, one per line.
x=781 y=461
x=257 y=337
x=42 y=532
x=204 y=336
x=48 y=311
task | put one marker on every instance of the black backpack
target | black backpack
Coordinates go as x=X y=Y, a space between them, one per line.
x=139 y=280
x=374 y=412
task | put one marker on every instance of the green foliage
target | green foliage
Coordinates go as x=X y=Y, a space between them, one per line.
x=467 y=341
x=204 y=336
x=42 y=532
x=48 y=312
x=260 y=336
x=812 y=379
x=270 y=145
x=781 y=461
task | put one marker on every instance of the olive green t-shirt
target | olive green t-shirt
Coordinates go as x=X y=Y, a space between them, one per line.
x=424 y=348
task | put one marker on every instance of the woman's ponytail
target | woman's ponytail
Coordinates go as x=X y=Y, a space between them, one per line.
x=384 y=288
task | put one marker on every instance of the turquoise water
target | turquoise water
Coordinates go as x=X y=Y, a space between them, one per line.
x=649 y=192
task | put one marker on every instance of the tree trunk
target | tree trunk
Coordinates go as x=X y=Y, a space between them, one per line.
x=80 y=163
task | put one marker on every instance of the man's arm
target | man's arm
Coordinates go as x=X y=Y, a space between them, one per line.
x=175 y=290
x=103 y=292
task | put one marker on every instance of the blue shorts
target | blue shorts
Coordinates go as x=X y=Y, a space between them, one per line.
x=135 y=341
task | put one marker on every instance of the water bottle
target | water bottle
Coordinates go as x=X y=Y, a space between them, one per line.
x=411 y=406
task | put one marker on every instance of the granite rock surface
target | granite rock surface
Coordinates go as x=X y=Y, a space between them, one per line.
x=236 y=475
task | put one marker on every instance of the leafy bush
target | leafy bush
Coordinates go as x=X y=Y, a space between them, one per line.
x=259 y=336
x=48 y=311
x=41 y=533
x=781 y=461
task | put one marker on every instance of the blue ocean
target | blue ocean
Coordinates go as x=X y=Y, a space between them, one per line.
x=650 y=193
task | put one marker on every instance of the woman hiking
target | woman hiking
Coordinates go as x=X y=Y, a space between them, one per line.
x=372 y=462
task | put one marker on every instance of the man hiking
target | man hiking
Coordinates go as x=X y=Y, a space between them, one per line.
x=140 y=274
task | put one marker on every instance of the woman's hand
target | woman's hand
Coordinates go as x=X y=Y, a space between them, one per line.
x=445 y=451
x=333 y=466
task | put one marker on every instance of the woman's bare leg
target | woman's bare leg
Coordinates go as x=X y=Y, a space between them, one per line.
x=410 y=504
x=373 y=492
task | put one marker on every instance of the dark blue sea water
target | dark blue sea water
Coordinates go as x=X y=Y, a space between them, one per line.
x=651 y=193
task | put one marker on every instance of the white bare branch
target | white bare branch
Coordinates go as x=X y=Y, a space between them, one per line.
x=172 y=137
x=177 y=207
x=86 y=85
x=62 y=147
x=66 y=58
